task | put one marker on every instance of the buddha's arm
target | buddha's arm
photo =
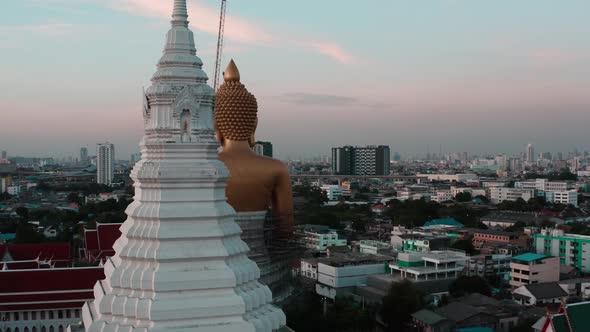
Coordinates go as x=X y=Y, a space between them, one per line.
x=282 y=202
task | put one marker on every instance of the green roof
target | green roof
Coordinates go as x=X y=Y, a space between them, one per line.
x=444 y=221
x=578 y=314
x=560 y=323
x=475 y=329
x=528 y=257
x=429 y=317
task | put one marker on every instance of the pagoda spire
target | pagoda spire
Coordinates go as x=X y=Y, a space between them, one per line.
x=180 y=264
x=180 y=13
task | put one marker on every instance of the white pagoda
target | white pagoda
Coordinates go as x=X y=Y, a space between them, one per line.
x=180 y=264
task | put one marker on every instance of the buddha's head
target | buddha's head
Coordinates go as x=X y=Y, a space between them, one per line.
x=235 y=109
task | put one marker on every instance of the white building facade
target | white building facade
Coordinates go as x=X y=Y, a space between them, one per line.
x=105 y=163
x=433 y=265
x=500 y=194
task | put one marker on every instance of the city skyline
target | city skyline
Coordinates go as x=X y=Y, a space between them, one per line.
x=476 y=78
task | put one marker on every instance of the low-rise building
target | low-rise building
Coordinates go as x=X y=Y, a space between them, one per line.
x=374 y=247
x=309 y=268
x=340 y=274
x=441 y=196
x=432 y=265
x=569 y=197
x=531 y=268
x=489 y=265
x=539 y=294
x=450 y=177
x=425 y=243
x=501 y=194
x=482 y=236
x=100 y=197
x=572 y=249
x=319 y=237
x=334 y=192
x=577 y=287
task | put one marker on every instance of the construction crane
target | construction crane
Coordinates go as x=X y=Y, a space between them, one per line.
x=219 y=45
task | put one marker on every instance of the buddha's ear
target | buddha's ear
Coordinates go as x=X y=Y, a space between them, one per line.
x=252 y=138
x=219 y=137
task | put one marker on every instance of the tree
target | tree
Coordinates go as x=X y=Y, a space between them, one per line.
x=465 y=285
x=517 y=226
x=25 y=233
x=463 y=196
x=22 y=211
x=74 y=198
x=359 y=225
x=402 y=300
x=465 y=245
x=524 y=325
x=484 y=199
x=42 y=186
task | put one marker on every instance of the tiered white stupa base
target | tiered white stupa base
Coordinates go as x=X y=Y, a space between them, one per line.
x=180 y=264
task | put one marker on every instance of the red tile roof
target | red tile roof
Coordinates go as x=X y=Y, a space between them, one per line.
x=99 y=242
x=47 y=288
x=45 y=251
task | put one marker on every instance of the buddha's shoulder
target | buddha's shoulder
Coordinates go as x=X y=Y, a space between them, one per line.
x=271 y=163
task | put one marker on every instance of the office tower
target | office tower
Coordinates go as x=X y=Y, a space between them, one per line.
x=105 y=163
x=3 y=154
x=369 y=160
x=83 y=155
x=263 y=148
x=530 y=153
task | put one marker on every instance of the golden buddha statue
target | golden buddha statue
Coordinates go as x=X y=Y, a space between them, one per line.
x=256 y=183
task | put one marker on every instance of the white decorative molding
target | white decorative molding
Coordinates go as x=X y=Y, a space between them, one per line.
x=180 y=263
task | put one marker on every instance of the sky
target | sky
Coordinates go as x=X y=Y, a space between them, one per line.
x=483 y=76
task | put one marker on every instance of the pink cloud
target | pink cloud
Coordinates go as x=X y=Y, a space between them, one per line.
x=202 y=17
x=332 y=50
x=206 y=18
x=52 y=29
x=554 y=56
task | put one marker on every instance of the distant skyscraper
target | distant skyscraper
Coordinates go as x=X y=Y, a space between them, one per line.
x=530 y=153
x=370 y=160
x=397 y=156
x=343 y=160
x=3 y=154
x=83 y=155
x=135 y=158
x=105 y=163
x=263 y=148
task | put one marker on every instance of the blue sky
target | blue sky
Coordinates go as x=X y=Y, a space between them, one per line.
x=473 y=75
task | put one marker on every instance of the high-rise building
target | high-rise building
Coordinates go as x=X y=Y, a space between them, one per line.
x=263 y=148
x=3 y=154
x=105 y=163
x=343 y=160
x=530 y=153
x=83 y=155
x=369 y=160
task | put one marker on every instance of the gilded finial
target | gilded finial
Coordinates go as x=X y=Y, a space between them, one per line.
x=231 y=72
